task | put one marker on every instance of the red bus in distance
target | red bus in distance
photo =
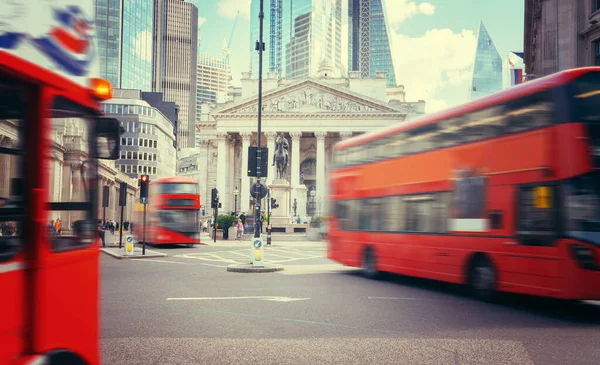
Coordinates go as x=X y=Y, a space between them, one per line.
x=173 y=212
x=501 y=193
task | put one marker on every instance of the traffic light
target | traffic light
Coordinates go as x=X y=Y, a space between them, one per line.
x=264 y=167
x=144 y=182
x=274 y=204
x=214 y=198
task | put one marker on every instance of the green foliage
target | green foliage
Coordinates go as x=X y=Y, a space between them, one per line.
x=316 y=222
x=225 y=221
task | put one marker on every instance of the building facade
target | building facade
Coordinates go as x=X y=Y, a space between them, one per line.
x=369 y=43
x=148 y=141
x=175 y=60
x=312 y=113
x=124 y=31
x=298 y=35
x=487 y=67
x=561 y=34
x=213 y=81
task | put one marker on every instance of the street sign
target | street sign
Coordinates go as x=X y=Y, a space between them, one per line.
x=129 y=245
x=262 y=190
x=144 y=200
x=257 y=250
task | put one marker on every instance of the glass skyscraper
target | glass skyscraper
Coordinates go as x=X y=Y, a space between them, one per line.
x=298 y=36
x=487 y=67
x=369 y=45
x=124 y=36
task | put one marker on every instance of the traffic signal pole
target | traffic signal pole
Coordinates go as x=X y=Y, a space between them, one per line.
x=259 y=48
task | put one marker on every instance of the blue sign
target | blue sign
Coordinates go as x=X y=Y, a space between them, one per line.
x=129 y=239
x=257 y=243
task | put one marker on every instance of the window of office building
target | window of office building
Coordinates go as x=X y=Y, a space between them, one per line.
x=597 y=50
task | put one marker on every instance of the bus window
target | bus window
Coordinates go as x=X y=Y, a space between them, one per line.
x=12 y=105
x=72 y=176
x=537 y=214
x=394 y=216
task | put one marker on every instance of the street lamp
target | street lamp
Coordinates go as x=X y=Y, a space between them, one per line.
x=236 y=192
x=313 y=193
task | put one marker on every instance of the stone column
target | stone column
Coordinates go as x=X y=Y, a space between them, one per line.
x=221 y=168
x=320 y=198
x=5 y=168
x=295 y=175
x=244 y=197
x=271 y=146
x=203 y=174
x=232 y=182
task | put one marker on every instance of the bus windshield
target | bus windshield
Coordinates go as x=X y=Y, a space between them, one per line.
x=178 y=188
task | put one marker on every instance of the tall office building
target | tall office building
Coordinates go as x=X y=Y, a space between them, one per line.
x=369 y=45
x=487 y=67
x=298 y=35
x=213 y=80
x=175 y=60
x=124 y=35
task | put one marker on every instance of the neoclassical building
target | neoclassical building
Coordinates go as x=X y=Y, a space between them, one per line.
x=313 y=114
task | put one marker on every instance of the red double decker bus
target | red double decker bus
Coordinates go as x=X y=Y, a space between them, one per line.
x=173 y=212
x=501 y=193
x=51 y=136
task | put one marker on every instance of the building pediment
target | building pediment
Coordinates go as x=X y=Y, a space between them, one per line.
x=309 y=97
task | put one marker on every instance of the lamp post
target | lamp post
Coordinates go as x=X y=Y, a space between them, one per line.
x=313 y=193
x=236 y=192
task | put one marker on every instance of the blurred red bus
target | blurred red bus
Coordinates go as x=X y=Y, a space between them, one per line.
x=173 y=212
x=501 y=193
x=51 y=135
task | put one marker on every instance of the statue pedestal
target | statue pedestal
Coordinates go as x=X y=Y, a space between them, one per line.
x=281 y=190
x=301 y=200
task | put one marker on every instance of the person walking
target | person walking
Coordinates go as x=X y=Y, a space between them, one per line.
x=57 y=226
x=240 y=229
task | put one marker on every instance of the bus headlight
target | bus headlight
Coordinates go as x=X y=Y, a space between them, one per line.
x=584 y=256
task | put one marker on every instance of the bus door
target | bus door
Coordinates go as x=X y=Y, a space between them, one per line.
x=13 y=100
x=532 y=257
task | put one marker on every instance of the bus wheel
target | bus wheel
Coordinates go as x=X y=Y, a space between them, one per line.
x=370 y=264
x=482 y=279
x=64 y=357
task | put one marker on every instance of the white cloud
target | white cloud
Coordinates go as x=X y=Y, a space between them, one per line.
x=435 y=67
x=201 y=21
x=400 y=10
x=230 y=8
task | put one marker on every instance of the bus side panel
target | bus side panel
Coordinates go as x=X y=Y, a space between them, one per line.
x=68 y=293
x=12 y=311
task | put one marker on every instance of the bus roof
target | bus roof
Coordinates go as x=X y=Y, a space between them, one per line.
x=518 y=91
x=175 y=180
x=52 y=43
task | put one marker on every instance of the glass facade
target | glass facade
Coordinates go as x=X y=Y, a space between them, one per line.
x=124 y=36
x=379 y=56
x=487 y=67
x=108 y=37
x=136 y=64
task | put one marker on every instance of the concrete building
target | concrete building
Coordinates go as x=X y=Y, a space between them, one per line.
x=175 y=60
x=213 y=81
x=124 y=36
x=486 y=76
x=147 y=145
x=561 y=34
x=312 y=113
x=369 y=43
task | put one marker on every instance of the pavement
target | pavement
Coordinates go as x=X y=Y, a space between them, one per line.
x=187 y=309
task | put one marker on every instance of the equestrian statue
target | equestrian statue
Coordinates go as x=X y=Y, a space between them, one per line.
x=281 y=155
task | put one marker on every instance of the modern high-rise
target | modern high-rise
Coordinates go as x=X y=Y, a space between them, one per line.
x=175 y=60
x=212 y=82
x=124 y=35
x=299 y=35
x=369 y=44
x=487 y=67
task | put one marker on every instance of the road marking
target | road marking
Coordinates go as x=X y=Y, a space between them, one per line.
x=164 y=261
x=416 y=299
x=269 y=298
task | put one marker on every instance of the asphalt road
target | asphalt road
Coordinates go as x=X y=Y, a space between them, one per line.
x=187 y=309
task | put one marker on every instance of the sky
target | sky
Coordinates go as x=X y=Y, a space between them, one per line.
x=433 y=42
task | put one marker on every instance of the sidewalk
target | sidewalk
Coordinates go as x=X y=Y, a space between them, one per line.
x=117 y=253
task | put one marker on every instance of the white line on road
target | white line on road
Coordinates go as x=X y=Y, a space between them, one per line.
x=269 y=298
x=164 y=261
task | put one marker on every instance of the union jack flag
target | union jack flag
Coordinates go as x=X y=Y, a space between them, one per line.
x=69 y=41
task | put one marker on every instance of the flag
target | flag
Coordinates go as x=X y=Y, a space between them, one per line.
x=515 y=67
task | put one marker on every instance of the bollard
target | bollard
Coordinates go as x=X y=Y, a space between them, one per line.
x=129 y=246
x=269 y=235
x=257 y=252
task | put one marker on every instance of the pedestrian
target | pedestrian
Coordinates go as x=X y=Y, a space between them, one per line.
x=57 y=226
x=240 y=229
x=243 y=218
x=205 y=226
